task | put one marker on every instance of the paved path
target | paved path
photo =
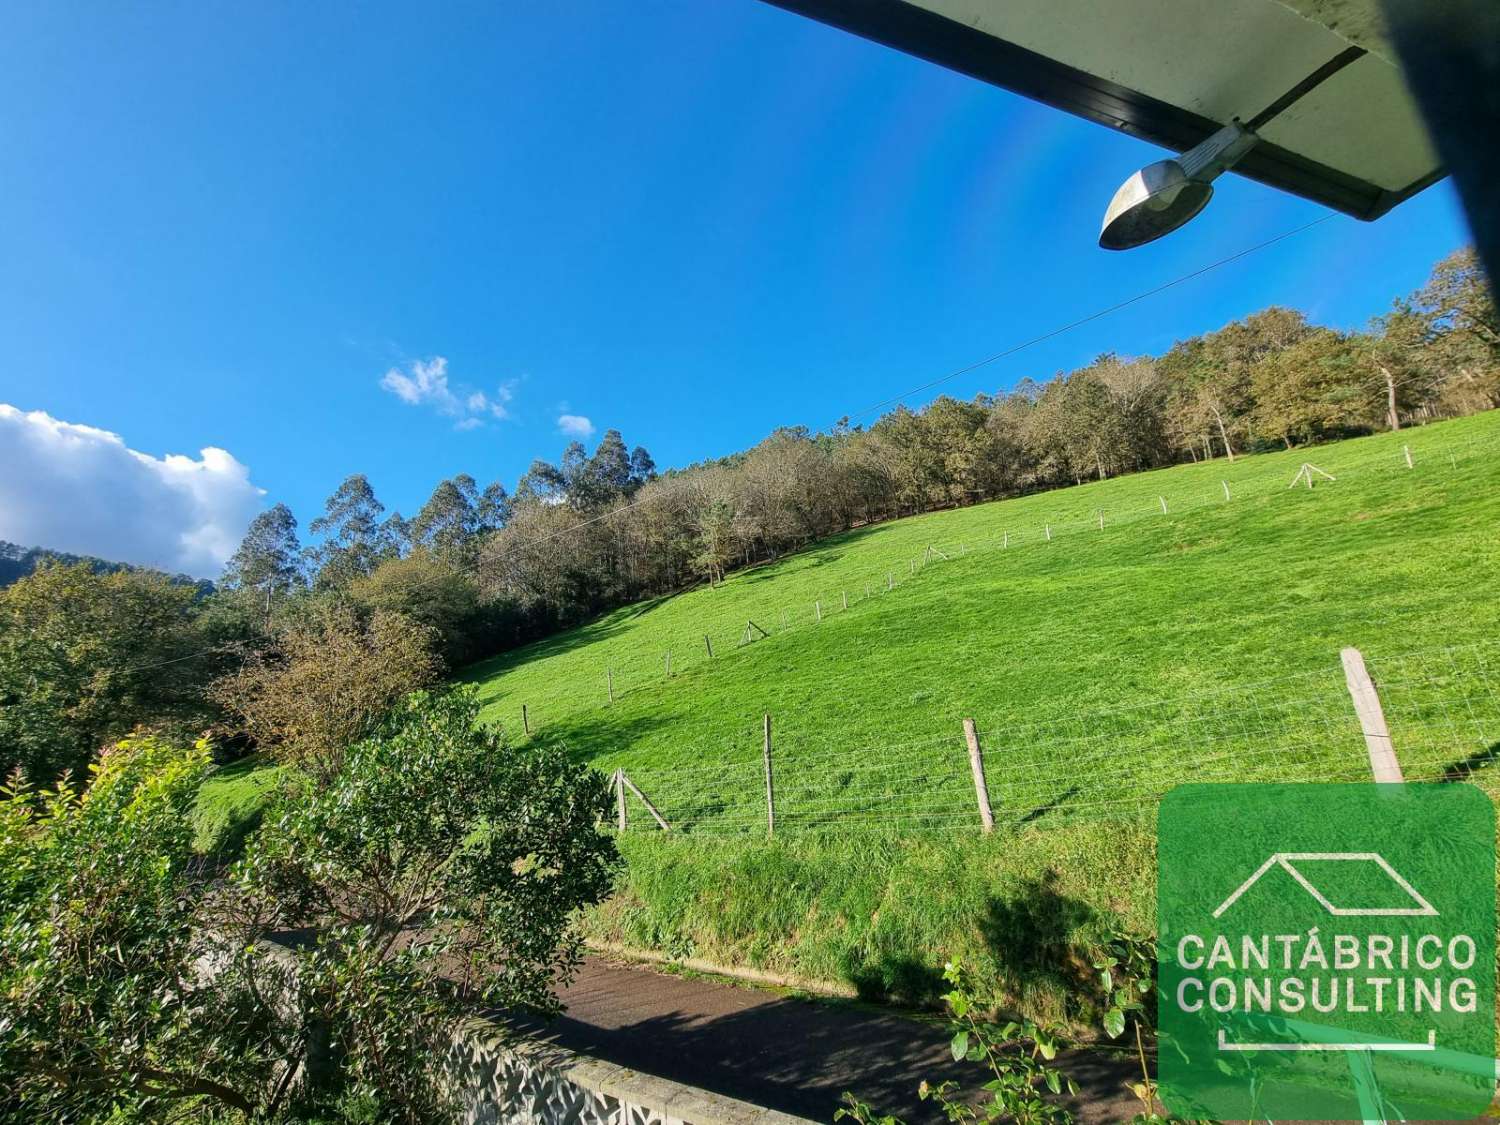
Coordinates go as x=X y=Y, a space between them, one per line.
x=784 y=1052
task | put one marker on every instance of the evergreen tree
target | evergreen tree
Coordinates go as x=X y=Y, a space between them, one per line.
x=493 y=508
x=609 y=468
x=449 y=519
x=269 y=557
x=356 y=541
x=642 y=467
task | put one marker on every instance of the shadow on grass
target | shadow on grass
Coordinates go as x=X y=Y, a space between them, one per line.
x=893 y=977
x=601 y=628
x=1052 y=805
x=1032 y=935
x=1465 y=768
x=598 y=733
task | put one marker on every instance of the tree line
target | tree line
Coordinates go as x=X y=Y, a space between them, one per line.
x=598 y=530
x=85 y=656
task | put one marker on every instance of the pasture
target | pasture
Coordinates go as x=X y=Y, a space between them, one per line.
x=1101 y=665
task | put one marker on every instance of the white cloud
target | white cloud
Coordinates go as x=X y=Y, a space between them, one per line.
x=425 y=383
x=79 y=489
x=575 y=425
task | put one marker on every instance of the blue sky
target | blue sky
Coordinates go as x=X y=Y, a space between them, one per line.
x=692 y=221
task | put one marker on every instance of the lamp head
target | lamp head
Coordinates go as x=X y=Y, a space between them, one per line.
x=1163 y=196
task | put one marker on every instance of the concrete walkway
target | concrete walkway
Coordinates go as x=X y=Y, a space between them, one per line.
x=785 y=1052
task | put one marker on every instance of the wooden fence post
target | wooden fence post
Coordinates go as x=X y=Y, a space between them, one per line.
x=890 y=581
x=1383 y=763
x=669 y=672
x=609 y=676
x=525 y=722
x=1163 y=500
x=976 y=767
x=783 y=619
x=1101 y=519
x=818 y=609
x=620 y=799
x=1007 y=540
x=708 y=644
x=912 y=563
x=845 y=595
x=1047 y=527
x=1406 y=449
x=645 y=800
x=770 y=787
x=1225 y=483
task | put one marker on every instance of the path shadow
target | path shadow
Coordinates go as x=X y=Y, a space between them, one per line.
x=792 y=1054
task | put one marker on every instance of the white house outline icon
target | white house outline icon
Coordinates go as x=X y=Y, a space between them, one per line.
x=1284 y=860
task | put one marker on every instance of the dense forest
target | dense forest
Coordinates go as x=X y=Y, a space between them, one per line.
x=381 y=603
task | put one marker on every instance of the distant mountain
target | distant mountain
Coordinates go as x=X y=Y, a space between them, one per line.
x=16 y=562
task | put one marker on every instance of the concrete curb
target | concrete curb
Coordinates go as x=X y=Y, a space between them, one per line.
x=697 y=965
x=508 y=1077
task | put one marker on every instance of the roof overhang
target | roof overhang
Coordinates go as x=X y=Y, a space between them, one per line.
x=1174 y=71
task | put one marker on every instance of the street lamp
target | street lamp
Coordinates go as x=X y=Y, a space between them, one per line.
x=1163 y=196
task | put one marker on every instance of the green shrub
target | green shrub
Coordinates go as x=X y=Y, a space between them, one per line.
x=435 y=870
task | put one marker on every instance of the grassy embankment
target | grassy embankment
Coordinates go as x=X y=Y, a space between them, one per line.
x=1102 y=666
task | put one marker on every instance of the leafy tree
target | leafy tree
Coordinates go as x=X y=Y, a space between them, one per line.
x=715 y=539
x=85 y=657
x=432 y=829
x=1211 y=373
x=1316 y=389
x=1457 y=305
x=1400 y=360
x=356 y=541
x=431 y=589
x=1459 y=299
x=543 y=483
x=326 y=680
x=269 y=558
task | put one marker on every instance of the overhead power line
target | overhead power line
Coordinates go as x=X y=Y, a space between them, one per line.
x=941 y=379
x=1093 y=316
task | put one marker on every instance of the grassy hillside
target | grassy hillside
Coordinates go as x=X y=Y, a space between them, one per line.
x=1101 y=665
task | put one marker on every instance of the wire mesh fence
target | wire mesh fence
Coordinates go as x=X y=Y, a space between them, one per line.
x=1442 y=707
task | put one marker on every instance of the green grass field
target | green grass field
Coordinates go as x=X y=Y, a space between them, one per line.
x=1102 y=666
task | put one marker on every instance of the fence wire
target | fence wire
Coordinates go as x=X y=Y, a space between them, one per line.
x=1442 y=707
x=645 y=666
